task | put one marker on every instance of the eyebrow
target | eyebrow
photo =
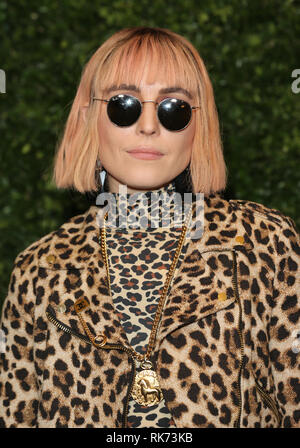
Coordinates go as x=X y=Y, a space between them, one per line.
x=133 y=88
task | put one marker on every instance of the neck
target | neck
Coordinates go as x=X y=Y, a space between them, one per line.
x=182 y=184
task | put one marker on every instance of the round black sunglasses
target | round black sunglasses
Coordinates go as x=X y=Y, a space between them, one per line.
x=124 y=110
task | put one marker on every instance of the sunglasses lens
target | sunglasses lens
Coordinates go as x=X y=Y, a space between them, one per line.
x=174 y=114
x=123 y=110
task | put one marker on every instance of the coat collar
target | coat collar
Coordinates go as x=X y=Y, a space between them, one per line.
x=203 y=284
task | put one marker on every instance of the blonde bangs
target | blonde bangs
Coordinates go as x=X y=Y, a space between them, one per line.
x=149 y=57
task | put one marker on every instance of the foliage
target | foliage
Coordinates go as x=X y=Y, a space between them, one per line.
x=250 y=49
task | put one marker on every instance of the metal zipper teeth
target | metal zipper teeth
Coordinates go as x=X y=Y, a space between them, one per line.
x=237 y=422
x=265 y=397
x=67 y=329
x=269 y=402
x=85 y=338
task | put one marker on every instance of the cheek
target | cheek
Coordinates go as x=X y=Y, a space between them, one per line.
x=102 y=128
x=183 y=141
x=110 y=138
x=191 y=129
x=106 y=131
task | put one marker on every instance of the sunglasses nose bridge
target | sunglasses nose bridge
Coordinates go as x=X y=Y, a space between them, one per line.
x=149 y=101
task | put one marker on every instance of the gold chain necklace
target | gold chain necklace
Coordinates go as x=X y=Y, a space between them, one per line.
x=146 y=389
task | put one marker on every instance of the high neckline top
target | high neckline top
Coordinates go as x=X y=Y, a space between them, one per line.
x=150 y=210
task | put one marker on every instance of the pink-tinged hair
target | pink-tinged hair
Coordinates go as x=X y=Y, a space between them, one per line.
x=122 y=59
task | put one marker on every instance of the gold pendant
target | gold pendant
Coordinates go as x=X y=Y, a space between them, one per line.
x=146 y=389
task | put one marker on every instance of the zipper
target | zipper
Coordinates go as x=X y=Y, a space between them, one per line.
x=264 y=395
x=237 y=422
x=240 y=332
x=69 y=330
x=65 y=328
x=269 y=402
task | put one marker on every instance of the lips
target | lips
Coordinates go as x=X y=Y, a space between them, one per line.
x=145 y=155
x=145 y=151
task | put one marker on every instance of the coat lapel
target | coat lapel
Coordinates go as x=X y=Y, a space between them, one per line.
x=207 y=280
x=72 y=268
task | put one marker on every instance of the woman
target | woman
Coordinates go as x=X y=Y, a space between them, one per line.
x=152 y=325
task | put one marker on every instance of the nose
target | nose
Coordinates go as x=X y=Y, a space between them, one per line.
x=148 y=122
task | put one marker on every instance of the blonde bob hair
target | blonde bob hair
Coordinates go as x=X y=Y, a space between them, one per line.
x=122 y=59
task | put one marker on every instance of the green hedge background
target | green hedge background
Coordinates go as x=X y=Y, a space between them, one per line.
x=250 y=49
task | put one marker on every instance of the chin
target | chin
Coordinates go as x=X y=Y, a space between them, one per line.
x=146 y=186
x=136 y=188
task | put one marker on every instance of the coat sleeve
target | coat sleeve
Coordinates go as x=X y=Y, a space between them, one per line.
x=18 y=386
x=284 y=324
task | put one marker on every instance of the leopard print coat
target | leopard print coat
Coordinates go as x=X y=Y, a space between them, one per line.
x=226 y=352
